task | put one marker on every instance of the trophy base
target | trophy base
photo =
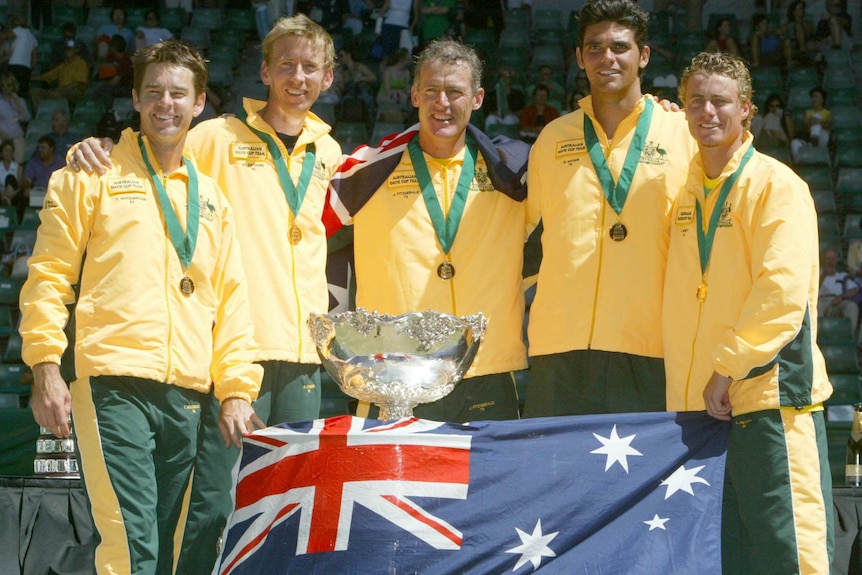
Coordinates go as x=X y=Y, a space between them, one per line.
x=390 y=411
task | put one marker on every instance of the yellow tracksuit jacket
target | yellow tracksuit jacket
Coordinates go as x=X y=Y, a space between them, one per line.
x=758 y=322
x=397 y=270
x=132 y=319
x=593 y=292
x=285 y=281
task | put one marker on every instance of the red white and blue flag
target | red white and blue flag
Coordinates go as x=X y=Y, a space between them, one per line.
x=604 y=494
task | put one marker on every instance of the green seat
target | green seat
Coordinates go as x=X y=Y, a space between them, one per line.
x=835 y=331
x=813 y=156
x=30 y=220
x=840 y=358
x=48 y=106
x=209 y=18
x=804 y=78
x=827 y=225
x=508 y=130
x=7 y=325
x=63 y=14
x=852 y=226
x=849 y=181
x=824 y=201
x=8 y=219
x=10 y=288
x=12 y=377
x=837 y=433
x=13 y=349
x=846 y=389
x=817 y=177
x=99 y=15
x=848 y=156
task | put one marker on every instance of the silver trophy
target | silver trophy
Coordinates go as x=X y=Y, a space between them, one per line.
x=396 y=362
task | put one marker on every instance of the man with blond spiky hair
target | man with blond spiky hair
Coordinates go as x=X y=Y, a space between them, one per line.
x=740 y=318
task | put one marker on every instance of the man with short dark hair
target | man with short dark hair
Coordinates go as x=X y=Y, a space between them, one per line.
x=601 y=180
x=162 y=318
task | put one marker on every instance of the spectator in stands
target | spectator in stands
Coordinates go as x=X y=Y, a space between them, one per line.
x=105 y=32
x=838 y=290
x=436 y=18
x=60 y=134
x=39 y=168
x=535 y=116
x=556 y=91
x=722 y=41
x=797 y=33
x=395 y=87
x=24 y=52
x=115 y=74
x=816 y=123
x=151 y=32
x=482 y=14
x=66 y=80
x=58 y=48
x=834 y=28
x=764 y=45
x=11 y=173
x=774 y=129
x=360 y=81
x=398 y=16
x=331 y=16
x=13 y=111
x=504 y=103
x=573 y=102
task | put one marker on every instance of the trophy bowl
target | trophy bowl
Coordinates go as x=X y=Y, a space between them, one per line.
x=396 y=362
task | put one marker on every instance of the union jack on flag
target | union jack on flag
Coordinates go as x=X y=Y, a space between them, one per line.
x=622 y=493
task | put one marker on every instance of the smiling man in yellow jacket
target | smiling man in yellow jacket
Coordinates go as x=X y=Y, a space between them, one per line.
x=162 y=317
x=740 y=318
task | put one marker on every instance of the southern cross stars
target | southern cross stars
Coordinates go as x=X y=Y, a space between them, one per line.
x=657 y=523
x=681 y=480
x=616 y=448
x=533 y=547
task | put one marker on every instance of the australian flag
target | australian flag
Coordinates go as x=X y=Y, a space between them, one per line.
x=607 y=494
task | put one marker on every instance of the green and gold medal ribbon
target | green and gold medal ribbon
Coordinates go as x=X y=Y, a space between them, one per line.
x=617 y=193
x=706 y=236
x=184 y=242
x=294 y=194
x=445 y=227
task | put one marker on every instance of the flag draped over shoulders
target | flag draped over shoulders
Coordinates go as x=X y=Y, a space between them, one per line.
x=366 y=169
x=621 y=493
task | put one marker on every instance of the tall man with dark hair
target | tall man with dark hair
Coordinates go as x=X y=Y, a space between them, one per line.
x=601 y=180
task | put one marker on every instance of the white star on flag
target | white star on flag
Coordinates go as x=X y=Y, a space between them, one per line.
x=616 y=448
x=533 y=547
x=657 y=523
x=681 y=480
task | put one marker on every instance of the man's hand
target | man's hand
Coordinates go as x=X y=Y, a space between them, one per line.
x=92 y=155
x=237 y=418
x=51 y=401
x=667 y=104
x=717 y=397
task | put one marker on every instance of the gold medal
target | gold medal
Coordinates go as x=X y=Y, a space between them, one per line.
x=701 y=292
x=294 y=234
x=446 y=271
x=618 y=232
x=187 y=286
